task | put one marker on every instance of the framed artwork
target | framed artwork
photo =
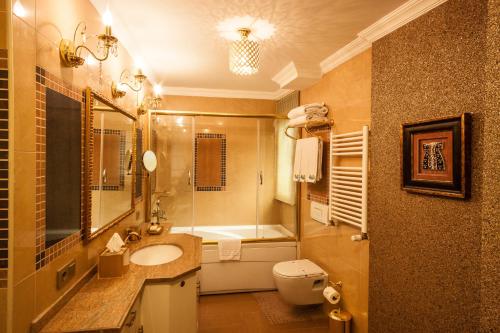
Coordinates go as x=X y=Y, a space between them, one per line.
x=436 y=156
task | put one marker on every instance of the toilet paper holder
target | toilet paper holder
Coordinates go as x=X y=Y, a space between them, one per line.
x=337 y=284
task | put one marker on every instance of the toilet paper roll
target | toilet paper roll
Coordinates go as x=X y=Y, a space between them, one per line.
x=331 y=295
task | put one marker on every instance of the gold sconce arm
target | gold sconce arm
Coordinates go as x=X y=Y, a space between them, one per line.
x=70 y=54
x=148 y=103
x=134 y=84
x=115 y=92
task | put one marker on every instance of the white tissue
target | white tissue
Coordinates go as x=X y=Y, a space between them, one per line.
x=331 y=295
x=115 y=243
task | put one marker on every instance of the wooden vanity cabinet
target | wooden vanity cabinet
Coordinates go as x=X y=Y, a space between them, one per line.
x=170 y=307
x=133 y=322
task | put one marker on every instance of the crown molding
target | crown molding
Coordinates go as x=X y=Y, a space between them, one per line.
x=298 y=75
x=344 y=54
x=384 y=26
x=225 y=93
x=287 y=74
x=398 y=17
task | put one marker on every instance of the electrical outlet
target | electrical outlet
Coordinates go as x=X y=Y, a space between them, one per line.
x=65 y=274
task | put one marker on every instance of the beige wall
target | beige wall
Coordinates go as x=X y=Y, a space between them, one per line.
x=215 y=104
x=346 y=90
x=34 y=41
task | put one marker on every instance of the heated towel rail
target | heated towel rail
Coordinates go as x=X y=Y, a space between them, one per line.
x=349 y=185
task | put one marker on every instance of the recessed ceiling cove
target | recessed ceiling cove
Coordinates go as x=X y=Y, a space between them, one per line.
x=181 y=45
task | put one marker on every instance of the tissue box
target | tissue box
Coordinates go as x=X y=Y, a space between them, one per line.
x=113 y=264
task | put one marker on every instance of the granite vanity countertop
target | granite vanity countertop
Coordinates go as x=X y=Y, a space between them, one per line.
x=104 y=304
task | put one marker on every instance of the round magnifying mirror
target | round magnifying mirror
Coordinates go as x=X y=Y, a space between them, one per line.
x=149 y=161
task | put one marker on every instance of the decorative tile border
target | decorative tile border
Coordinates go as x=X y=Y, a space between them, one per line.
x=223 y=168
x=44 y=81
x=4 y=169
x=123 y=139
x=138 y=163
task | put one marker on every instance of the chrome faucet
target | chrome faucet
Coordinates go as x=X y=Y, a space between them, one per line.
x=132 y=236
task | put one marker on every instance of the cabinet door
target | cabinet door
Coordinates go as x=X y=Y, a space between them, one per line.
x=170 y=307
x=133 y=322
x=184 y=305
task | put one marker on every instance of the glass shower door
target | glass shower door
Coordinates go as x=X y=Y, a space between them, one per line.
x=172 y=140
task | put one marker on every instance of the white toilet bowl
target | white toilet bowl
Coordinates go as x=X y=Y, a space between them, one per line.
x=300 y=282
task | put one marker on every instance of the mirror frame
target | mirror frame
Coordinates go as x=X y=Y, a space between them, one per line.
x=90 y=96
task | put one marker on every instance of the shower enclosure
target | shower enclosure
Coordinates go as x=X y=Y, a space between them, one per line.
x=217 y=176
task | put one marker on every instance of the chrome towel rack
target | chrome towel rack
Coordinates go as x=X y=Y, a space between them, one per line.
x=349 y=185
x=310 y=125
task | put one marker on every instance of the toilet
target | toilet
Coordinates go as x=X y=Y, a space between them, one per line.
x=300 y=282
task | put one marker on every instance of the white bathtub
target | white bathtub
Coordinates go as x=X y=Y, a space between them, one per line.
x=254 y=270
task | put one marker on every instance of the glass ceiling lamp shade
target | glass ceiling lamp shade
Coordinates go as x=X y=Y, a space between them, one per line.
x=244 y=55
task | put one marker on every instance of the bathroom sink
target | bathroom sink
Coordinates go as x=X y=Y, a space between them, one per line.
x=156 y=255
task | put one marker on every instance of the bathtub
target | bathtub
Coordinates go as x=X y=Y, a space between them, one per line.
x=258 y=256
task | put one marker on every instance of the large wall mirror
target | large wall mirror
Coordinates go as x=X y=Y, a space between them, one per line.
x=111 y=168
x=63 y=166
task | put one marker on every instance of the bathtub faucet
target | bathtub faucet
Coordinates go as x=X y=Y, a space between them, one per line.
x=154 y=227
x=158 y=213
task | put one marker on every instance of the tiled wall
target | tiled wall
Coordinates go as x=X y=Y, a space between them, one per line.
x=346 y=90
x=221 y=138
x=4 y=169
x=35 y=39
x=45 y=80
x=4 y=242
x=427 y=254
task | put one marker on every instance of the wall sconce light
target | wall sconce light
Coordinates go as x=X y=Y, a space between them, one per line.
x=107 y=44
x=117 y=91
x=134 y=83
x=150 y=102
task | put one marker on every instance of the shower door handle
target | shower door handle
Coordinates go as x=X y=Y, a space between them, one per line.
x=261 y=178
x=189 y=177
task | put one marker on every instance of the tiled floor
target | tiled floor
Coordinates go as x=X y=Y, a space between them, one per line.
x=240 y=313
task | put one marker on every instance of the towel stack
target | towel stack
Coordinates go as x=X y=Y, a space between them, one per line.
x=304 y=113
x=308 y=159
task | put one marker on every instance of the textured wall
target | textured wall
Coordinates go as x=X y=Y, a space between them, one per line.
x=490 y=260
x=347 y=92
x=425 y=252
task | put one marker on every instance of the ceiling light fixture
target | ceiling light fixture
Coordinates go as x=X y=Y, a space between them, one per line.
x=245 y=34
x=244 y=54
x=106 y=44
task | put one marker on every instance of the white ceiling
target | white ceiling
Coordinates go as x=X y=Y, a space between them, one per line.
x=180 y=46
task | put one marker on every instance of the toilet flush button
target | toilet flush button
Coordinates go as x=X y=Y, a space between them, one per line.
x=319 y=212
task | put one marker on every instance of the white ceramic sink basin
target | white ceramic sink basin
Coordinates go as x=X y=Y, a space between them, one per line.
x=156 y=255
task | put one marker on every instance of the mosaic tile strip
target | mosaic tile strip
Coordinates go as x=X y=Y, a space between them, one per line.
x=123 y=139
x=44 y=81
x=4 y=168
x=138 y=163
x=223 y=167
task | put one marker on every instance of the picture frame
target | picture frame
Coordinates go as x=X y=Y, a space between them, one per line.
x=435 y=156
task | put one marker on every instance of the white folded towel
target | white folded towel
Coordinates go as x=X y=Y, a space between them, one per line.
x=298 y=122
x=312 y=155
x=297 y=160
x=229 y=249
x=308 y=160
x=303 y=109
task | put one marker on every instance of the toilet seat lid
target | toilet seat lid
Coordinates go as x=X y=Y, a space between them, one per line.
x=298 y=268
